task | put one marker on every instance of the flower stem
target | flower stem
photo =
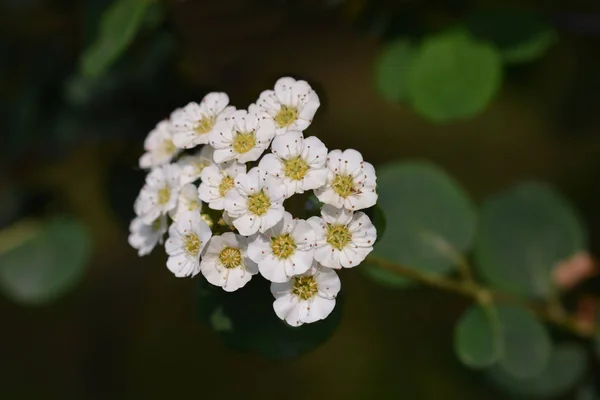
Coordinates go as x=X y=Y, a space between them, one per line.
x=468 y=287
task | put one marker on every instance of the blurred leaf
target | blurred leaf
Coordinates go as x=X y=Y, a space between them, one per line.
x=526 y=346
x=119 y=25
x=378 y=219
x=588 y=392
x=453 y=76
x=477 y=340
x=47 y=261
x=391 y=68
x=565 y=367
x=246 y=322
x=434 y=221
x=520 y=35
x=523 y=234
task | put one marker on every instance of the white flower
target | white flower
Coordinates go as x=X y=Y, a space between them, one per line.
x=285 y=250
x=187 y=238
x=193 y=165
x=343 y=238
x=292 y=104
x=306 y=298
x=193 y=123
x=159 y=146
x=225 y=262
x=217 y=181
x=144 y=237
x=299 y=162
x=256 y=204
x=159 y=194
x=242 y=136
x=188 y=201
x=350 y=181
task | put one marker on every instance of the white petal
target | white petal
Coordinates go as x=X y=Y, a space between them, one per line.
x=328 y=283
x=236 y=278
x=288 y=308
x=273 y=269
x=247 y=224
x=283 y=90
x=319 y=309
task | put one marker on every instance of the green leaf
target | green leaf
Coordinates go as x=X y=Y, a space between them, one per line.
x=477 y=339
x=432 y=222
x=453 y=76
x=246 y=322
x=588 y=392
x=523 y=234
x=50 y=260
x=391 y=68
x=118 y=27
x=520 y=35
x=564 y=369
x=526 y=345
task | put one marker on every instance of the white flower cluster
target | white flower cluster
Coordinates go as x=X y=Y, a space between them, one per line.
x=298 y=256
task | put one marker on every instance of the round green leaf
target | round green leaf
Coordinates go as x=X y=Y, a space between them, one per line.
x=565 y=367
x=526 y=345
x=46 y=265
x=520 y=35
x=453 y=76
x=430 y=221
x=391 y=68
x=477 y=339
x=523 y=234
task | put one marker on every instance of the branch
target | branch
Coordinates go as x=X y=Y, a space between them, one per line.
x=473 y=290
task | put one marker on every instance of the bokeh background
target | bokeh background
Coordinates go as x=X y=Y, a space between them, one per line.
x=69 y=145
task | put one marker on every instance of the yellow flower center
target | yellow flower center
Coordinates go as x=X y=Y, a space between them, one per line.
x=295 y=168
x=225 y=185
x=304 y=287
x=343 y=185
x=283 y=246
x=258 y=204
x=205 y=125
x=338 y=236
x=164 y=195
x=286 y=116
x=230 y=257
x=191 y=244
x=244 y=142
x=169 y=147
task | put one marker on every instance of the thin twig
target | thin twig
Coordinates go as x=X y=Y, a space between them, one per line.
x=471 y=289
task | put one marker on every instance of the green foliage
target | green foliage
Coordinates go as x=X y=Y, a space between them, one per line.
x=453 y=76
x=523 y=234
x=245 y=321
x=521 y=36
x=49 y=262
x=564 y=369
x=588 y=392
x=509 y=337
x=434 y=221
x=526 y=345
x=477 y=340
x=118 y=27
x=391 y=67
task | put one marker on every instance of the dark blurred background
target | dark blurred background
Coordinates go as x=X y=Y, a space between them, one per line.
x=69 y=145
